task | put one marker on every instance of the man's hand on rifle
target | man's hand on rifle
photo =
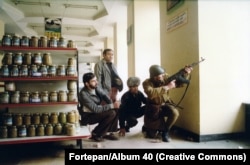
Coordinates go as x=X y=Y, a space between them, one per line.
x=170 y=85
x=188 y=69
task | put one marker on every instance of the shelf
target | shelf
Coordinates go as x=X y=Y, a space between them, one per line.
x=36 y=49
x=54 y=78
x=83 y=134
x=37 y=104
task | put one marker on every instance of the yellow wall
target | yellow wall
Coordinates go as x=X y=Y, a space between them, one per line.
x=219 y=32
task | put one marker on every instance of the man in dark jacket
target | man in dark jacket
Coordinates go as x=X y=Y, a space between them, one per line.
x=93 y=111
x=131 y=106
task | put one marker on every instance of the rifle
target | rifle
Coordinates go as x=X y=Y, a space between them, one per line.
x=179 y=76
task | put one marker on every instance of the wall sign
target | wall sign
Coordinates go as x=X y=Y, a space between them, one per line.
x=53 y=27
x=177 y=21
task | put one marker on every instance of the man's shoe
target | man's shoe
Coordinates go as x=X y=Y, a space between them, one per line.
x=165 y=137
x=96 y=138
x=111 y=136
x=127 y=128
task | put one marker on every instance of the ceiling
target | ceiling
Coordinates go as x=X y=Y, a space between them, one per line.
x=87 y=22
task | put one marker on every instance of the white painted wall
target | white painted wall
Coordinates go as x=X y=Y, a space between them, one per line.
x=219 y=32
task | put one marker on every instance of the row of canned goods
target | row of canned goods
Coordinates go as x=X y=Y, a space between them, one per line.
x=19 y=119
x=16 y=97
x=38 y=130
x=33 y=41
x=37 y=70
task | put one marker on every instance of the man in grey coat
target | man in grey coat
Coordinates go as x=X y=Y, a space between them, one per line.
x=107 y=75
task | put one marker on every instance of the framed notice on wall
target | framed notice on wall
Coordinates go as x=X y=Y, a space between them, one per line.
x=172 y=3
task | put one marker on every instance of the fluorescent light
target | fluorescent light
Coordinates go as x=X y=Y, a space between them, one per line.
x=31 y=3
x=80 y=6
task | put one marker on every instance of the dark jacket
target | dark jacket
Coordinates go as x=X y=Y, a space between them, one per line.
x=130 y=106
x=92 y=103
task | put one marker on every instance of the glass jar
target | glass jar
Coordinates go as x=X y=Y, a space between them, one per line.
x=53 y=118
x=61 y=71
x=71 y=44
x=43 y=70
x=36 y=119
x=27 y=57
x=72 y=96
x=45 y=118
x=43 y=42
x=71 y=129
x=15 y=40
x=31 y=131
x=62 y=43
x=71 y=62
x=53 y=96
x=40 y=131
x=62 y=118
x=37 y=58
x=22 y=131
x=5 y=72
x=53 y=42
x=71 y=118
x=33 y=41
x=24 y=97
x=4 y=97
x=47 y=60
x=18 y=59
x=7 y=119
x=24 y=41
x=35 y=97
x=24 y=71
x=6 y=40
x=62 y=96
x=52 y=70
x=33 y=69
x=14 y=72
x=3 y=132
x=49 y=130
x=12 y=131
x=7 y=59
x=15 y=97
x=10 y=86
x=71 y=71
x=58 y=129
x=27 y=119
x=44 y=96
x=18 y=119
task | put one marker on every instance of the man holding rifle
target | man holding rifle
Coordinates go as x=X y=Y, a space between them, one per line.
x=159 y=104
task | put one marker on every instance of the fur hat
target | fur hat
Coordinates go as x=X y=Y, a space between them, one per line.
x=133 y=81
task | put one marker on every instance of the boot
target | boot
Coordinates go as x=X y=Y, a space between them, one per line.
x=165 y=136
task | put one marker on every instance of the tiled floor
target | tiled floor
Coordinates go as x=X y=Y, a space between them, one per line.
x=53 y=153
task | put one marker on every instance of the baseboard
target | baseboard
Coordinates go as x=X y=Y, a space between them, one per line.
x=188 y=135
